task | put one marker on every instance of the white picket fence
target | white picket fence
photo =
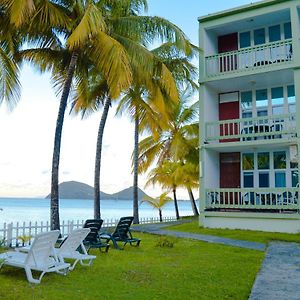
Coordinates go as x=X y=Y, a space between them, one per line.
x=12 y=234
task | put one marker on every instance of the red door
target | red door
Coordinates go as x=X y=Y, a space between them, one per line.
x=229 y=111
x=227 y=43
x=230 y=176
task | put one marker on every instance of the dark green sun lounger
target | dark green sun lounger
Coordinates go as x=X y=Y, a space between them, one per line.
x=122 y=234
x=93 y=240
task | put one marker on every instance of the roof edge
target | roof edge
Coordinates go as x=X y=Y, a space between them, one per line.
x=239 y=9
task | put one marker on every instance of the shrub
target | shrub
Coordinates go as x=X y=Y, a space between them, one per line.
x=165 y=242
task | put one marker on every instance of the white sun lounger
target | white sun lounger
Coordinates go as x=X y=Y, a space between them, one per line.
x=70 y=246
x=40 y=257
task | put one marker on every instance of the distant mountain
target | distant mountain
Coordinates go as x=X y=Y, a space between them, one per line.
x=127 y=194
x=79 y=190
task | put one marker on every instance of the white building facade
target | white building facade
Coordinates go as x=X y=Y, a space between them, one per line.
x=250 y=117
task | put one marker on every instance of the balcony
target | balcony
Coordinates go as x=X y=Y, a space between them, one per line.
x=252 y=58
x=249 y=129
x=253 y=198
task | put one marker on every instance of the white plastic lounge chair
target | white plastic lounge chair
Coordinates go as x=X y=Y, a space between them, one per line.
x=69 y=247
x=40 y=257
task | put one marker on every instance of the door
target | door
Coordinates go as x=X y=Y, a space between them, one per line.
x=229 y=109
x=228 y=43
x=230 y=176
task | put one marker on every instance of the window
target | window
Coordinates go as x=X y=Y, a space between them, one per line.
x=245 y=39
x=259 y=36
x=246 y=104
x=274 y=33
x=277 y=101
x=280 y=180
x=248 y=161
x=263 y=160
x=295 y=178
x=280 y=160
x=291 y=98
x=263 y=179
x=262 y=102
x=287 y=30
x=248 y=180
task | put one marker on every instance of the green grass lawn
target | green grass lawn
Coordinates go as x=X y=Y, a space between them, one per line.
x=248 y=235
x=189 y=270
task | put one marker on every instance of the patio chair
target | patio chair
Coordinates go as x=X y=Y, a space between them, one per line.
x=92 y=240
x=41 y=257
x=69 y=248
x=121 y=233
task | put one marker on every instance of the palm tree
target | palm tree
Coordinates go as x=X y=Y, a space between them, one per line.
x=134 y=32
x=87 y=44
x=165 y=176
x=148 y=108
x=9 y=71
x=158 y=202
x=187 y=176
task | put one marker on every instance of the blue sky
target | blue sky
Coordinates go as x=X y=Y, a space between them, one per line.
x=27 y=133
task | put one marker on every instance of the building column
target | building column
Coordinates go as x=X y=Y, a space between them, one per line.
x=201 y=154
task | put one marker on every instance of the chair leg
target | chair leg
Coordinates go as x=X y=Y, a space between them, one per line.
x=30 y=277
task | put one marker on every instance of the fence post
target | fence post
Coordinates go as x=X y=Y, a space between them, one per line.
x=9 y=234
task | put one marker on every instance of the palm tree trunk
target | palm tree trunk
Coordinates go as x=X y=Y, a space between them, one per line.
x=135 y=170
x=54 y=205
x=193 y=203
x=97 y=213
x=160 y=215
x=176 y=204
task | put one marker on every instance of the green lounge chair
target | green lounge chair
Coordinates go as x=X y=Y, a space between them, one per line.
x=92 y=240
x=121 y=233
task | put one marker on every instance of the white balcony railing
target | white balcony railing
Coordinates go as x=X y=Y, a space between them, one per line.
x=253 y=198
x=249 y=58
x=249 y=129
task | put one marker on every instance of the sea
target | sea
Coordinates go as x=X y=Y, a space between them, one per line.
x=33 y=209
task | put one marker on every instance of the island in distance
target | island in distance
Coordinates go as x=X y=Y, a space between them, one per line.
x=79 y=190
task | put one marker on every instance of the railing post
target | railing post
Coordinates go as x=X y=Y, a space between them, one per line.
x=9 y=234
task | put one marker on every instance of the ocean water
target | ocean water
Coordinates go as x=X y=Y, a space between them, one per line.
x=28 y=209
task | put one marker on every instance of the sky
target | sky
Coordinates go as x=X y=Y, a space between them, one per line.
x=27 y=132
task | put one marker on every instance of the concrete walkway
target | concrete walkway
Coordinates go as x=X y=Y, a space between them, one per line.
x=279 y=277
x=158 y=228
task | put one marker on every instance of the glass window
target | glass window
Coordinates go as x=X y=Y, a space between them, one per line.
x=294 y=178
x=279 y=160
x=277 y=101
x=263 y=160
x=262 y=98
x=263 y=178
x=280 y=179
x=259 y=36
x=293 y=165
x=288 y=30
x=245 y=39
x=248 y=180
x=277 y=96
x=291 y=94
x=246 y=100
x=274 y=33
x=248 y=161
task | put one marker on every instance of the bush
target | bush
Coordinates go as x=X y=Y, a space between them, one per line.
x=165 y=242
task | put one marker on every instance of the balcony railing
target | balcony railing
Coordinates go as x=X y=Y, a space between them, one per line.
x=249 y=58
x=252 y=198
x=249 y=129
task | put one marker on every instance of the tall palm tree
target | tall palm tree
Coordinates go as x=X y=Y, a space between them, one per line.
x=165 y=176
x=86 y=44
x=135 y=32
x=148 y=108
x=158 y=202
x=9 y=70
